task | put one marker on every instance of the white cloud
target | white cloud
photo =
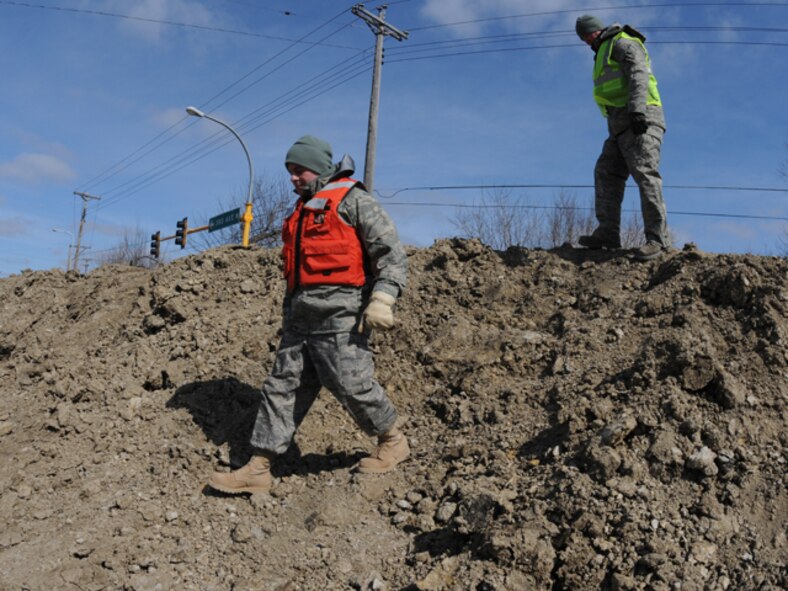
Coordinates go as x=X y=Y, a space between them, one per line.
x=16 y=226
x=181 y=11
x=114 y=230
x=490 y=14
x=168 y=117
x=31 y=141
x=37 y=168
x=520 y=16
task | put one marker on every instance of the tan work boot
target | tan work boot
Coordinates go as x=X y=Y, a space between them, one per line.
x=255 y=477
x=650 y=250
x=392 y=449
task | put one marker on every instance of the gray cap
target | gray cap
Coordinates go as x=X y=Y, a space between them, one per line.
x=312 y=153
x=587 y=24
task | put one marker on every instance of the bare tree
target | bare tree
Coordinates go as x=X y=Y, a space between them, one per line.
x=272 y=200
x=500 y=222
x=632 y=232
x=133 y=250
x=566 y=221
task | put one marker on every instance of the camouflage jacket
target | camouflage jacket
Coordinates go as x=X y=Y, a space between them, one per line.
x=323 y=309
x=633 y=62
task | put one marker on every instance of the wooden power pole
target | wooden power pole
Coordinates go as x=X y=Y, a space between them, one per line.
x=85 y=197
x=381 y=28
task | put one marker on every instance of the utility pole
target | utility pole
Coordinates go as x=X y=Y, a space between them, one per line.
x=85 y=197
x=381 y=28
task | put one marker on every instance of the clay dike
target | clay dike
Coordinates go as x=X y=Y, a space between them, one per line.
x=578 y=421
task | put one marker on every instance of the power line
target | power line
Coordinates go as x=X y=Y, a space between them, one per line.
x=569 y=186
x=194 y=159
x=257 y=6
x=180 y=161
x=519 y=206
x=119 y=166
x=258 y=80
x=575 y=45
x=266 y=111
x=130 y=159
x=566 y=186
x=510 y=37
x=556 y=207
x=192 y=155
x=218 y=139
x=154 y=21
x=598 y=8
x=461 y=41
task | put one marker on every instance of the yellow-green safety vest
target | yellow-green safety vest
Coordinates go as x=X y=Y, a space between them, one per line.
x=610 y=85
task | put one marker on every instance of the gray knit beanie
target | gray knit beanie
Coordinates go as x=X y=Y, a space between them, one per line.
x=587 y=24
x=312 y=153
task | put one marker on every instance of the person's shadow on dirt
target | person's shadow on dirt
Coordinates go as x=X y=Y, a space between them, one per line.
x=226 y=409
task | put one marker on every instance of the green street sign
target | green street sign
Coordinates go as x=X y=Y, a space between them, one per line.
x=228 y=218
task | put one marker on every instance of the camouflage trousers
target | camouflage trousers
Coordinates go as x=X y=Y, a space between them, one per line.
x=342 y=362
x=639 y=156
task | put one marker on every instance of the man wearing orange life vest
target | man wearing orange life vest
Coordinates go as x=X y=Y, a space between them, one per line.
x=345 y=267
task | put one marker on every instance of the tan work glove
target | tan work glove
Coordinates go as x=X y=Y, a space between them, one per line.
x=378 y=314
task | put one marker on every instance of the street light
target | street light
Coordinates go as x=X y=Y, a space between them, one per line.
x=68 y=256
x=247 y=217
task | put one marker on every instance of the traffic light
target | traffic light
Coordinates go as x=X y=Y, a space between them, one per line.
x=155 y=244
x=182 y=232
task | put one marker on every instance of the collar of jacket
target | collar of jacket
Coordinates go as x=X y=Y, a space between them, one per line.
x=606 y=34
x=344 y=168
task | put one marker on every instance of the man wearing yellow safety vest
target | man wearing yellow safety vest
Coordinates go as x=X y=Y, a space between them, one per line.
x=345 y=268
x=626 y=92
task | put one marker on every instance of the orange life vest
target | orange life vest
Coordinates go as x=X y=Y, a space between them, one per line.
x=320 y=248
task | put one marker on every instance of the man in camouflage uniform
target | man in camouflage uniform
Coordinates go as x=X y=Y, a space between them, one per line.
x=345 y=268
x=626 y=91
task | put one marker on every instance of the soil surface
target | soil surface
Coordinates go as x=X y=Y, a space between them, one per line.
x=578 y=421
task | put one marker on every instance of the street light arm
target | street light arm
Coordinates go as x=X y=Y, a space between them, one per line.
x=246 y=151
x=197 y=113
x=68 y=255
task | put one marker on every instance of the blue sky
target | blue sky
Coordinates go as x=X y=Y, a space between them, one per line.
x=94 y=94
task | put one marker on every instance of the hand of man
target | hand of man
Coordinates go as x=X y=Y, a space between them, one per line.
x=637 y=122
x=378 y=314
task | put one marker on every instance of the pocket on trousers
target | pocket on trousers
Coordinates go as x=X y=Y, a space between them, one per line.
x=357 y=364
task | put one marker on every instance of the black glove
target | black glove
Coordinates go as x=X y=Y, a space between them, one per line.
x=637 y=122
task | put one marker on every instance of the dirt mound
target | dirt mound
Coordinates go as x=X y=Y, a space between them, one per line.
x=578 y=421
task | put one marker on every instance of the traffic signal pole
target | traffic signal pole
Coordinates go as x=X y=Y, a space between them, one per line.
x=181 y=232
